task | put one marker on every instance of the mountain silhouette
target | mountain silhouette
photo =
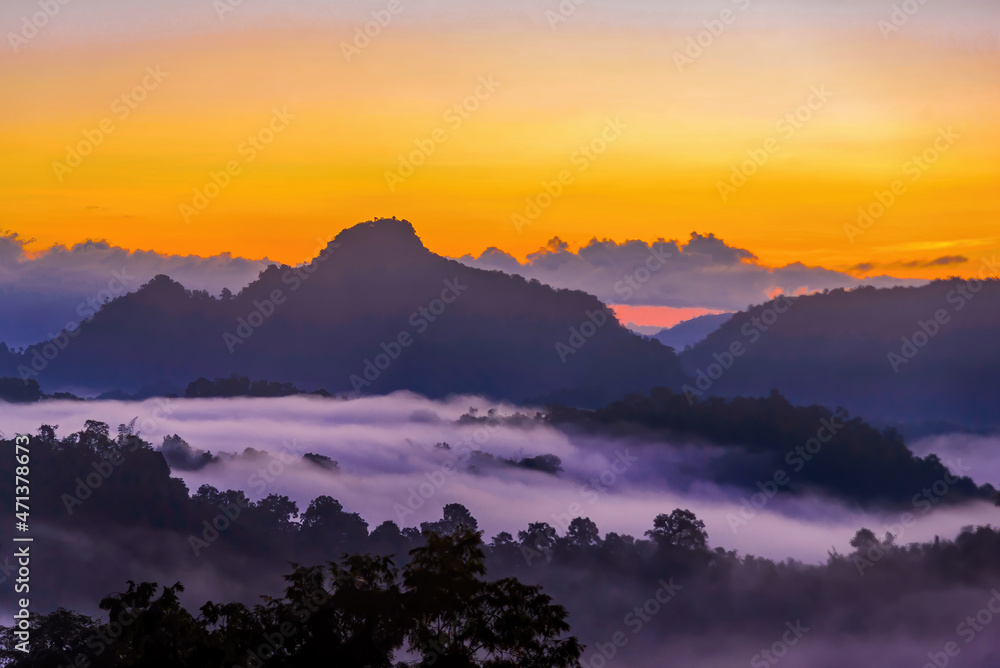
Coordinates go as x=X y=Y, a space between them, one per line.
x=690 y=332
x=904 y=355
x=374 y=312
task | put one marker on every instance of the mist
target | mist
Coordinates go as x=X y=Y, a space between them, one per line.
x=392 y=464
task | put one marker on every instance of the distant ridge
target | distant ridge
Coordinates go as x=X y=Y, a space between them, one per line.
x=913 y=354
x=375 y=312
x=690 y=332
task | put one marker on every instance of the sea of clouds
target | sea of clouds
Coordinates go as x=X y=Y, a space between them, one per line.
x=392 y=468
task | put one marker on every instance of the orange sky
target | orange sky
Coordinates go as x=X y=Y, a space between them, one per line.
x=657 y=316
x=681 y=135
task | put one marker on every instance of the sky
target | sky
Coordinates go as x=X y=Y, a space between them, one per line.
x=262 y=127
x=649 y=285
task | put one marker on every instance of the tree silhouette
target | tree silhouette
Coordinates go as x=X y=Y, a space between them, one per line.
x=864 y=539
x=468 y=622
x=360 y=612
x=582 y=532
x=456 y=518
x=679 y=529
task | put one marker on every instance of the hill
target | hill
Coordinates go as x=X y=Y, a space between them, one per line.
x=374 y=312
x=690 y=332
x=908 y=354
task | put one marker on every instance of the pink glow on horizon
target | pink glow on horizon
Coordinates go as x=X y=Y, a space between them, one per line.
x=658 y=316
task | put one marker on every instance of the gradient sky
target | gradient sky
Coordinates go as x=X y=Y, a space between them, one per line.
x=559 y=86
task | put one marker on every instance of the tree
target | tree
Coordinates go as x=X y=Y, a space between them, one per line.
x=56 y=640
x=358 y=612
x=864 y=539
x=582 y=532
x=469 y=623
x=539 y=535
x=345 y=614
x=280 y=512
x=94 y=432
x=616 y=544
x=326 y=523
x=502 y=540
x=386 y=538
x=16 y=390
x=456 y=518
x=680 y=529
x=47 y=434
x=143 y=631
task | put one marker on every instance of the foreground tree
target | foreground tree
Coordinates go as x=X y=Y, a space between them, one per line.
x=466 y=622
x=360 y=613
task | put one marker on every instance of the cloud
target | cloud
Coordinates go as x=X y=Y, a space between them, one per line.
x=938 y=262
x=943 y=261
x=389 y=459
x=388 y=449
x=703 y=273
x=46 y=291
x=42 y=292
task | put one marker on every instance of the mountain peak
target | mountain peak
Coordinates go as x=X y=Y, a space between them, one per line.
x=384 y=235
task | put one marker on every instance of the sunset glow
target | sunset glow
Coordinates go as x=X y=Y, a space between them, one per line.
x=489 y=150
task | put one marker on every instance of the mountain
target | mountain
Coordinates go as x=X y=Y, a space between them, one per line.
x=756 y=438
x=903 y=355
x=690 y=332
x=644 y=330
x=374 y=312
